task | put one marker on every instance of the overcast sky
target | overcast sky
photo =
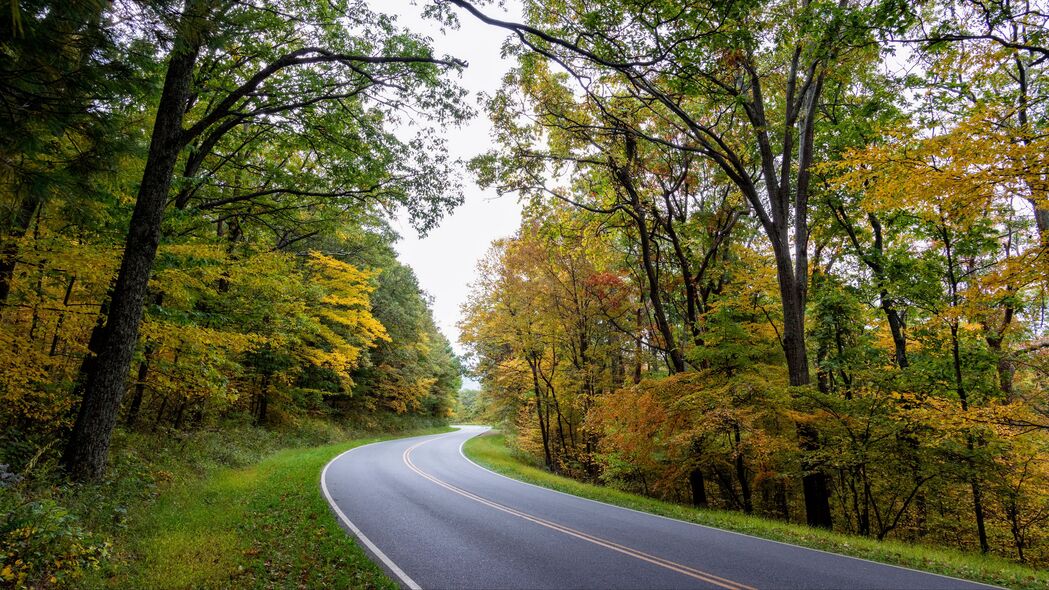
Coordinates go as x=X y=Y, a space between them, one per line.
x=445 y=260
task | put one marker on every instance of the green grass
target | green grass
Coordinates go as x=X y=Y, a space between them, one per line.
x=491 y=451
x=264 y=525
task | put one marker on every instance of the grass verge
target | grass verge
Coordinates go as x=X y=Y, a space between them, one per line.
x=491 y=451
x=265 y=525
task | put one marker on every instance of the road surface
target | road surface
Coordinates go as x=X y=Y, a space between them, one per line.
x=433 y=519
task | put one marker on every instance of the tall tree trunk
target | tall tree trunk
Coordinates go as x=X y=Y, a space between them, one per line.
x=974 y=483
x=56 y=337
x=695 y=300
x=781 y=499
x=140 y=387
x=899 y=341
x=685 y=265
x=963 y=396
x=87 y=449
x=623 y=177
x=793 y=284
x=677 y=360
x=724 y=481
x=262 y=408
x=995 y=336
x=177 y=424
x=814 y=483
x=143 y=373
x=9 y=251
x=637 y=347
x=160 y=413
x=793 y=326
x=1039 y=187
x=981 y=528
x=699 y=488
x=741 y=473
x=888 y=303
x=262 y=400
x=1005 y=366
x=1013 y=514
x=557 y=406
x=543 y=426
x=875 y=260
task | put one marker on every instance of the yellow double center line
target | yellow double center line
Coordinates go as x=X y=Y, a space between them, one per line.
x=659 y=561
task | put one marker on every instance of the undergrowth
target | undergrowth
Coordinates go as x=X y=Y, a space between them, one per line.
x=54 y=533
x=491 y=451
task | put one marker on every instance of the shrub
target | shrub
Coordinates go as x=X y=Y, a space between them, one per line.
x=43 y=544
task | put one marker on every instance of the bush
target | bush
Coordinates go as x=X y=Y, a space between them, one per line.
x=43 y=544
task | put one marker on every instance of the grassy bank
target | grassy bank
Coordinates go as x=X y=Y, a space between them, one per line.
x=260 y=526
x=231 y=505
x=491 y=451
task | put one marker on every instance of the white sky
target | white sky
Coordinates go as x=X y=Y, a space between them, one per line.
x=445 y=260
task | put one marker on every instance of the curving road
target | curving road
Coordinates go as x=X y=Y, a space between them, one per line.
x=434 y=519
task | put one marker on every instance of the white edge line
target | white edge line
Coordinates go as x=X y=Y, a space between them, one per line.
x=704 y=526
x=393 y=567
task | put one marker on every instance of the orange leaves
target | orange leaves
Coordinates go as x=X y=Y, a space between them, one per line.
x=611 y=289
x=660 y=425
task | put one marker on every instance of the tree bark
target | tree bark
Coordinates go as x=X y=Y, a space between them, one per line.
x=9 y=252
x=677 y=359
x=888 y=303
x=963 y=396
x=140 y=387
x=87 y=448
x=741 y=473
x=699 y=488
x=814 y=482
x=160 y=413
x=1037 y=188
x=560 y=417
x=543 y=425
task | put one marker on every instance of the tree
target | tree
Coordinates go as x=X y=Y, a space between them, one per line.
x=347 y=67
x=61 y=72
x=750 y=107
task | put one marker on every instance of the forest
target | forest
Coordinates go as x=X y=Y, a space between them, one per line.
x=195 y=208
x=785 y=258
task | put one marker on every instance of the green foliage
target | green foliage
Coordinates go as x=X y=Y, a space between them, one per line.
x=44 y=543
x=260 y=524
x=468 y=405
x=132 y=525
x=275 y=292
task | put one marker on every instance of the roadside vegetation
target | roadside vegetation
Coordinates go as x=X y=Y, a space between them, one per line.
x=263 y=525
x=788 y=259
x=238 y=506
x=492 y=451
x=197 y=269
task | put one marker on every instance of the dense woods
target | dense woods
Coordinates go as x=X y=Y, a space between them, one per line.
x=194 y=232
x=786 y=258
x=783 y=257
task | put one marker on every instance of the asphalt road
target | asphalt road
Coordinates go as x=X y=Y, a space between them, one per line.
x=434 y=519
